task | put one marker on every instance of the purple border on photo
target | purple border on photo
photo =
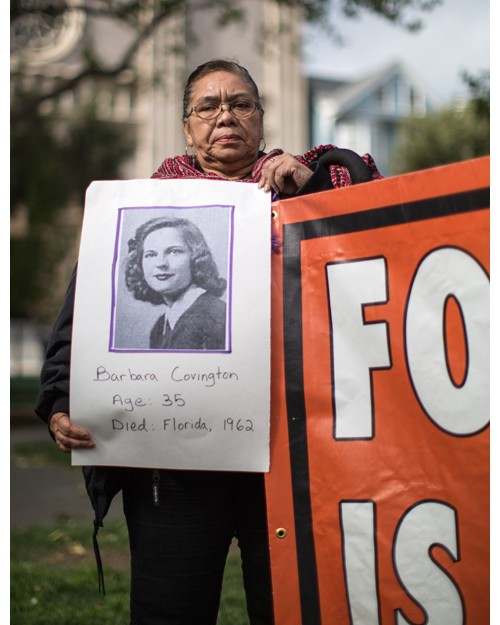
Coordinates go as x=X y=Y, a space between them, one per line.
x=114 y=277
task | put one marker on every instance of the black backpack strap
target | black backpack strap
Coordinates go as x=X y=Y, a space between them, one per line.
x=358 y=169
x=102 y=484
x=321 y=179
x=98 y=560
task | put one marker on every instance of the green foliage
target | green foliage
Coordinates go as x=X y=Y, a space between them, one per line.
x=451 y=135
x=395 y=11
x=52 y=162
x=96 y=149
x=232 y=609
x=53 y=159
x=479 y=89
x=54 y=581
x=58 y=595
x=36 y=159
x=41 y=454
x=27 y=256
x=53 y=576
x=23 y=393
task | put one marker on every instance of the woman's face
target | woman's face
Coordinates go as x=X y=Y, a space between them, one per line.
x=225 y=145
x=166 y=262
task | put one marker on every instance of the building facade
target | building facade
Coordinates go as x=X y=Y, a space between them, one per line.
x=147 y=98
x=48 y=46
x=364 y=114
x=266 y=42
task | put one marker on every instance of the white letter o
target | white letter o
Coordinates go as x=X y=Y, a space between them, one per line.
x=448 y=272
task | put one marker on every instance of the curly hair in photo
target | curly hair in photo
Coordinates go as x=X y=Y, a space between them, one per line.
x=203 y=268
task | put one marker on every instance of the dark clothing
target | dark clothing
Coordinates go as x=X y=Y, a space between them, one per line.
x=201 y=326
x=53 y=395
x=179 y=547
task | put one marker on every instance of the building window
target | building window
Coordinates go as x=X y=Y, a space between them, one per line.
x=385 y=99
x=45 y=32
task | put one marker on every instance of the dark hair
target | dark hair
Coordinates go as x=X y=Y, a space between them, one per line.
x=217 y=65
x=203 y=268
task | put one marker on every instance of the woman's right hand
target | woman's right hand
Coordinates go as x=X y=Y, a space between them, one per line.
x=67 y=435
x=284 y=174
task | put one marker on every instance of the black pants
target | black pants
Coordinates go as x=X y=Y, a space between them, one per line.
x=179 y=546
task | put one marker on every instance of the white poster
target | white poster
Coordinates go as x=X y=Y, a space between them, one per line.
x=170 y=360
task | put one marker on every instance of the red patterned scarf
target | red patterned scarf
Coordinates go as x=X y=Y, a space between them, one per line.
x=186 y=167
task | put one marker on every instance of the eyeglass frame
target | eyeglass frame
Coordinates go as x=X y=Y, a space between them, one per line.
x=257 y=106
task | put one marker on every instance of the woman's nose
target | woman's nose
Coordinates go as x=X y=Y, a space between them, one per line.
x=225 y=116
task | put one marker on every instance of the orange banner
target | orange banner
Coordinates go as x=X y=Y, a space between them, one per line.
x=378 y=494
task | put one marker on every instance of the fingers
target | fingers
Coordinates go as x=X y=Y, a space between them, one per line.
x=69 y=436
x=270 y=171
x=284 y=174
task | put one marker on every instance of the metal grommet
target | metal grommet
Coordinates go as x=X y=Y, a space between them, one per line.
x=274 y=214
x=281 y=533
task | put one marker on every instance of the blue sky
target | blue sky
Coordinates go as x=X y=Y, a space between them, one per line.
x=456 y=36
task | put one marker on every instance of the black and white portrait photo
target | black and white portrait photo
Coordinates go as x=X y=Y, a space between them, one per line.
x=171 y=279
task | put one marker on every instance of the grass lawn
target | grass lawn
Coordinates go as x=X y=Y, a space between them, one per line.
x=54 y=575
x=54 y=579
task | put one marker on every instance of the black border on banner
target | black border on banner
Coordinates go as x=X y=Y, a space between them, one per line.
x=293 y=235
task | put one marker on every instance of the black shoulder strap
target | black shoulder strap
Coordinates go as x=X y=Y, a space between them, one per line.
x=358 y=169
x=321 y=179
x=102 y=484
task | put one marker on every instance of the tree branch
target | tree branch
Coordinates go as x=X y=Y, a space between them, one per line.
x=132 y=13
x=95 y=67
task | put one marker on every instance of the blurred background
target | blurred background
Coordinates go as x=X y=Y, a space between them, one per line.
x=96 y=91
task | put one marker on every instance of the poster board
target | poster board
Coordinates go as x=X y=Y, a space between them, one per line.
x=170 y=362
x=378 y=494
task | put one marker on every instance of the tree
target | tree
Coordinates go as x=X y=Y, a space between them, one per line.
x=48 y=171
x=52 y=163
x=141 y=19
x=456 y=133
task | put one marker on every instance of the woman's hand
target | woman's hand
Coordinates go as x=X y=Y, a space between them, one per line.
x=67 y=435
x=284 y=174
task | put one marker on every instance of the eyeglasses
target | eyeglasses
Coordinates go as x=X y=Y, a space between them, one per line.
x=211 y=110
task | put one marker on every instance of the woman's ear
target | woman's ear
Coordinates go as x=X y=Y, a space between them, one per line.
x=187 y=134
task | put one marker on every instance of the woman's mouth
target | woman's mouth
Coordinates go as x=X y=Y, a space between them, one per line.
x=163 y=276
x=228 y=139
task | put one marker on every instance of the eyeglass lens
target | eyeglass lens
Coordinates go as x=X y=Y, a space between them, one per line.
x=239 y=108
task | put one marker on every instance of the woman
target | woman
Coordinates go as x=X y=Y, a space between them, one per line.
x=180 y=534
x=223 y=124
x=170 y=263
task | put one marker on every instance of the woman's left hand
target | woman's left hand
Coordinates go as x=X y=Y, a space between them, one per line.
x=67 y=435
x=284 y=174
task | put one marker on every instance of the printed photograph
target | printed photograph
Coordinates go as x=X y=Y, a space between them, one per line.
x=171 y=279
